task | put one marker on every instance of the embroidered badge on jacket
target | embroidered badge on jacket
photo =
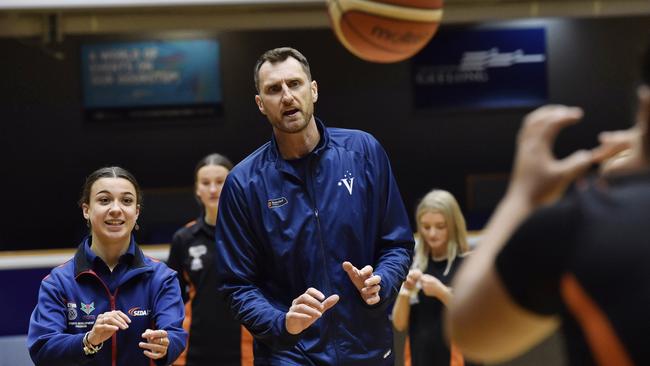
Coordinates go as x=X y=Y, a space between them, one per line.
x=347 y=181
x=88 y=308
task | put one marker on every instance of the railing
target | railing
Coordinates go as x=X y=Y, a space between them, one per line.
x=26 y=259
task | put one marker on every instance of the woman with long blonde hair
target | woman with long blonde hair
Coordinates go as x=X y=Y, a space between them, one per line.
x=440 y=245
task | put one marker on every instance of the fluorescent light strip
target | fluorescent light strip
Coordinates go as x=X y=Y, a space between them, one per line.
x=90 y=4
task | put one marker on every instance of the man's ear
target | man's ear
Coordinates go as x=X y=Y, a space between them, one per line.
x=314 y=90
x=260 y=104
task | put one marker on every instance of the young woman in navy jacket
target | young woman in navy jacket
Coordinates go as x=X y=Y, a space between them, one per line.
x=110 y=304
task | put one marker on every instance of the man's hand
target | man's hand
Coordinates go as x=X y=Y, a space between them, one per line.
x=306 y=309
x=365 y=282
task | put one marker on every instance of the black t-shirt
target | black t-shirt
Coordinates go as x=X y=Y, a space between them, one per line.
x=214 y=335
x=428 y=344
x=587 y=259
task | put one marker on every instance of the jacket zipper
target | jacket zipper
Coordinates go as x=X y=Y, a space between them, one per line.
x=111 y=297
x=310 y=177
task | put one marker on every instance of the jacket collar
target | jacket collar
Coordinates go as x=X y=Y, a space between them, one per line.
x=82 y=263
x=201 y=225
x=320 y=148
x=322 y=143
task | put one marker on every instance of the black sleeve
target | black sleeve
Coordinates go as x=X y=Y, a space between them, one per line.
x=533 y=260
x=175 y=261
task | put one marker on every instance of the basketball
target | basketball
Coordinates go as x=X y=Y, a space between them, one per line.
x=384 y=30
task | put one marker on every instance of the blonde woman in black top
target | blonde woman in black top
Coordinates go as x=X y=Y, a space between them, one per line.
x=440 y=245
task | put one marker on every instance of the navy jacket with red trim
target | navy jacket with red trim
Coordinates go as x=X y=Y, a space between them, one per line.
x=73 y=295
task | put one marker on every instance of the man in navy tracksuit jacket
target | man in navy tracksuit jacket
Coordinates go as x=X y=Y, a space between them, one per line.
x=292 y=213
x=74 y=294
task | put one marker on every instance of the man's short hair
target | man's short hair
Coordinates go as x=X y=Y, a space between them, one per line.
x=278 y=55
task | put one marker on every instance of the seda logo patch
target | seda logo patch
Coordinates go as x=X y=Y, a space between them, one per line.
x=136 y=311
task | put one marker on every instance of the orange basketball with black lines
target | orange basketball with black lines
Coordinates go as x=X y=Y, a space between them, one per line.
x=385 y=30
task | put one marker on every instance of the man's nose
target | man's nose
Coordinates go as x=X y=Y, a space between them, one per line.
x=287 y=97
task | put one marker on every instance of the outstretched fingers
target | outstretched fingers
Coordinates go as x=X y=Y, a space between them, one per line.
x=312 y=297
x=357 y=276
x=350 y=269
x=306 y=309
x=546 y=122
x=365 y=281
x=329 y=302
x=538 y=176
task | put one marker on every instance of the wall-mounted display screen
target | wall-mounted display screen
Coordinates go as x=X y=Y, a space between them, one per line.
x=468 y=67
x=151 y=79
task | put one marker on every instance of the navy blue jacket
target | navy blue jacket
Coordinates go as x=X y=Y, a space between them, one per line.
x=73 y=295
x=282 y=230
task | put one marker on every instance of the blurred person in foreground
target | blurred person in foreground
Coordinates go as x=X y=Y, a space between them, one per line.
x=580 y=261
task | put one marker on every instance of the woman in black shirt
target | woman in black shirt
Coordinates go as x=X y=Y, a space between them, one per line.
x=440 y=245
x=214 y=336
